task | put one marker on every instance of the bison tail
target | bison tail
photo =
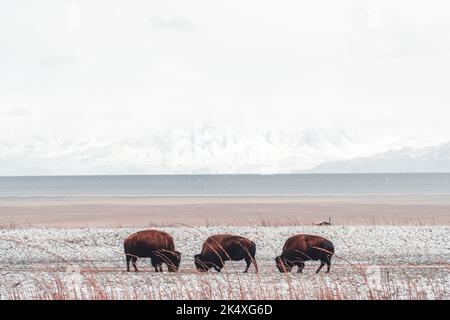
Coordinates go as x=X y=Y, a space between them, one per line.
x=252 y=250
x=330 y=248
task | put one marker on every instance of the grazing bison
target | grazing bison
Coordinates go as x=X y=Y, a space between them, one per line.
x=222 y=247
x=154 y=244
x=301 y=248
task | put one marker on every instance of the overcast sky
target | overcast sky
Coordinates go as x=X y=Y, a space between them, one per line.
x=131 y=68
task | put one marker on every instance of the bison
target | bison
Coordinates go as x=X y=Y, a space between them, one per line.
x=154 y=244
x=222 y=247
x=300 y=248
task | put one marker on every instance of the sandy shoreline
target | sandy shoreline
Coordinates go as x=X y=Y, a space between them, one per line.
x=197 y=211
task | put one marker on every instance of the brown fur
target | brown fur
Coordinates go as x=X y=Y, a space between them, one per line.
x=154 y=244
x=302 y=247
x=223 y=247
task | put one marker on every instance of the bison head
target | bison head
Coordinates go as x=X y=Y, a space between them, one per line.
x=283 y=265
x=172 y=259
x=175 y=258
x=200 y=263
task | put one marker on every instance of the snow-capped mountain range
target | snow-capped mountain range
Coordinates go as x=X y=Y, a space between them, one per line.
x=213 y=150
x=407 y=159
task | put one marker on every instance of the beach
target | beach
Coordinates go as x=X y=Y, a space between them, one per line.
x=224 y=210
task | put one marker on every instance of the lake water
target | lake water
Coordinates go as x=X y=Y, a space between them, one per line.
x=226 y=185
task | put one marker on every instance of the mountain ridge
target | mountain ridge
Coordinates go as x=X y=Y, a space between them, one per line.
x=200 y=150
x=429 y=159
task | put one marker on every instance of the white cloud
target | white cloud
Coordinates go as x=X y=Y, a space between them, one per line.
x=58 y=60
x=176 y=24
x=17 y=111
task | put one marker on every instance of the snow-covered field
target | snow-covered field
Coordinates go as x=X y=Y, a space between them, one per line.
x=371 y=262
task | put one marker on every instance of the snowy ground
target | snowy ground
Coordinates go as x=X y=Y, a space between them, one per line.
x=371 y=262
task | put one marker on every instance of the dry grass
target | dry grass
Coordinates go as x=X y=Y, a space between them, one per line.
x=229 y=285
x=261 y=221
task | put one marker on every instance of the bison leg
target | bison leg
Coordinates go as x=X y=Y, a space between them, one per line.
x=321 y=266
x=128 y=263
x=133 y=261
x=328 y=266
x=256 y=265
x=301 y=266
x=156 y=265
x=248 y=261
